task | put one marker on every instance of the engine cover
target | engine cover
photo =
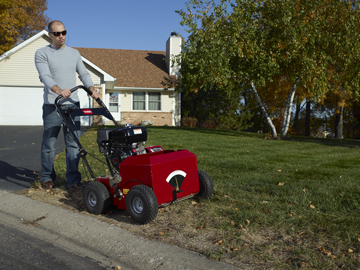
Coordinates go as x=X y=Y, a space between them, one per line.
x=128 y=135
x=120 y=143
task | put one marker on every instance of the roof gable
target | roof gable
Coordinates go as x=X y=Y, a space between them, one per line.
x=131 y=68
x=25 y=43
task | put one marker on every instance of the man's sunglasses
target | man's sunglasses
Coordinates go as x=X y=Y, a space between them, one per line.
x=57 y=34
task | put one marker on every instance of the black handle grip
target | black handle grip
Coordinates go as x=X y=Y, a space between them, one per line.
x=98 y=100
x=60 y=97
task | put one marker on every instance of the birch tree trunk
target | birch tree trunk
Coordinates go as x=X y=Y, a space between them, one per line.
x=287 y=112
x=307 y=117
x=339 y=120
x=263 y=111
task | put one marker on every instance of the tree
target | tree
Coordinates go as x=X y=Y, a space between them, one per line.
x=258 y=43
x=20 y=20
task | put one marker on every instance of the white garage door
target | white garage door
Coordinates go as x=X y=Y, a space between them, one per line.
x=22 y=106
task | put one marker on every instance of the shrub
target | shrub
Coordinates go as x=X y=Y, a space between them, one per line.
x=189 y=122
x=208 y=123
x=146 y=123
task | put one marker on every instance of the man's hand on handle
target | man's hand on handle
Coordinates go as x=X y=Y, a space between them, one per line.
x=63 y=92
x=95 y=94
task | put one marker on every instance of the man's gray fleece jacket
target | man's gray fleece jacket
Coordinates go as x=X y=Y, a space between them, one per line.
x=59 y=67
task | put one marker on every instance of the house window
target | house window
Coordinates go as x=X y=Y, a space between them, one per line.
x=154 y=101
x=149 y=101
x=139 y=100
x=114 y=102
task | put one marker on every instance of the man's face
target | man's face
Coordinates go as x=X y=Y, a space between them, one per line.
x=58 y=41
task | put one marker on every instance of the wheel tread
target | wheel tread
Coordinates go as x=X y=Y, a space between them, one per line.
x=103 y=194
x=206 y=186
x=152 y=202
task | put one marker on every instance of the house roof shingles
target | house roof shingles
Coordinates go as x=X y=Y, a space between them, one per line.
x=131 y=68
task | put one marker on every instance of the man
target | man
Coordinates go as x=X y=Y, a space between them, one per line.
x=57 y=65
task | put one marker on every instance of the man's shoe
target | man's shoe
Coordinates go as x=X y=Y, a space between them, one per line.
x=48 y=184
x=78 y=186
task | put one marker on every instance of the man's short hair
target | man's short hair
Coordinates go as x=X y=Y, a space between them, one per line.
x=51 y=24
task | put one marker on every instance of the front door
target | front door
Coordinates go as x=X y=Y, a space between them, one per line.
x=114 y=105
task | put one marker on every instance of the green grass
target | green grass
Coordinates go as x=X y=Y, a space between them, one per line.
x=300 y=195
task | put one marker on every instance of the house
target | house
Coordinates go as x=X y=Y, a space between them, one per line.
x=129 y=83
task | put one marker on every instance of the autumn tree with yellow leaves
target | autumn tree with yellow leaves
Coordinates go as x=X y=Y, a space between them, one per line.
x=19 y=20
x=278 y=49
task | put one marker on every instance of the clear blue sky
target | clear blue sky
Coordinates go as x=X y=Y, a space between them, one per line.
x=118 y=24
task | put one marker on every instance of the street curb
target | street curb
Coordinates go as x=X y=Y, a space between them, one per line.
x=55 y=223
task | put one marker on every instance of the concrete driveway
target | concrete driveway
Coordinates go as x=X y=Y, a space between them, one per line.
x=20 y=148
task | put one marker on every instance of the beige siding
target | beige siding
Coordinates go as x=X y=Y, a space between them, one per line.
x=19 y=68
x=167 y=101
x=126 y=101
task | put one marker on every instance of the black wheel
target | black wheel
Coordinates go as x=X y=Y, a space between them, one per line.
x=206 y=186
x=96 y=198
x=142 y=204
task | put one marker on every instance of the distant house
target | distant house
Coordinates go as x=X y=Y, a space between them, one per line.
x=129 y=82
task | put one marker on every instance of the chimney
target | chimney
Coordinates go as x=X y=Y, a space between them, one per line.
x=173 y=48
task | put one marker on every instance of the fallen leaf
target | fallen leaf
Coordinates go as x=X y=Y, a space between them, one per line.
x=219 y=242
x=117 y=267
x=279 y=170
x=350 y=250
x=161 y=233
x=246 y=245
x=304 y=190
x=359 y=239
x=233 y=223
x=248 y=222
x=193 y=202
x=281 y=184
x=312 y=207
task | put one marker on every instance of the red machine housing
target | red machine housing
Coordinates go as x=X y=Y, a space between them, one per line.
x=173 y=176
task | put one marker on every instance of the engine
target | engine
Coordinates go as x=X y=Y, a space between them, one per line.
x=120 y=143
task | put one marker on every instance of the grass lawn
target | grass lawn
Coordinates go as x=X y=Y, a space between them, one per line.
x=277 y=203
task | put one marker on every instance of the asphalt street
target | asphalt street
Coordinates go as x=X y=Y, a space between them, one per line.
x=36 y=235
x=20 y=148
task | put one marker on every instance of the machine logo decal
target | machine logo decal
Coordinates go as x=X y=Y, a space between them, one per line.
x=176 y=178
x=87 y=111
